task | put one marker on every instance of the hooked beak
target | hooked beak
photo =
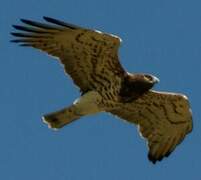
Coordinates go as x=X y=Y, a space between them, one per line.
x=155 y=79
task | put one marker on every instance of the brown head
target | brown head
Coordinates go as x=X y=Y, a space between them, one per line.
x=137 y=84
x=141 y=82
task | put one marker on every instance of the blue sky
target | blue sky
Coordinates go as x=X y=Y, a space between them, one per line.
x=159 y=37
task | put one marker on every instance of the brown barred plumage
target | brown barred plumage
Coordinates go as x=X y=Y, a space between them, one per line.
x=90 y=57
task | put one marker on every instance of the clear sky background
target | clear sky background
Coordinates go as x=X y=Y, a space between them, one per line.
x=162 y=37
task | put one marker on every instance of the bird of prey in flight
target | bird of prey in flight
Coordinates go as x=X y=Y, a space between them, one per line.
x=91 y=59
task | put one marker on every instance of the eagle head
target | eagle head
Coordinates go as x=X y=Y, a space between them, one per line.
x=141 y=82
x=145 y=79
x=135 y=85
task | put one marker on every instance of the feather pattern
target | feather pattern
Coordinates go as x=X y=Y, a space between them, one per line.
x=89 y=57
x=163 y=118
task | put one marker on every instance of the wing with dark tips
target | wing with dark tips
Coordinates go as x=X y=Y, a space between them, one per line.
x=61 y=23
x=89 y=57
x=163 y=119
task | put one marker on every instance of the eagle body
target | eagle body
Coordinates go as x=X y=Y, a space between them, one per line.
x=90 y=58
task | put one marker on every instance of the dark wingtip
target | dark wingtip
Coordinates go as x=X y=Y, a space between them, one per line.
x=152 y=158
x=37 y=24
x=14 y=41
x=47 y=18
x=22 y=28
x=61 y=23
x=12 y=33
x=18 y=34
x=25 y=45
x=160 y=158
x=168 y=153
x=20 y=43
x=24 y=20
x=15 y=26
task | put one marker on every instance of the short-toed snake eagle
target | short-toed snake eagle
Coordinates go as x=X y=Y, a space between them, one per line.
x=90 y=57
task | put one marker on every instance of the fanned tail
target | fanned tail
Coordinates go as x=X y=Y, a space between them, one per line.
x=57 y=120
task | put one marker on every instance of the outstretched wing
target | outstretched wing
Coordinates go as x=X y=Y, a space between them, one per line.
x=163 y=119
x=89 y=57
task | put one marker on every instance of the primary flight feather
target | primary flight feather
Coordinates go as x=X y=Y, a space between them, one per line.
x=90 y=57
